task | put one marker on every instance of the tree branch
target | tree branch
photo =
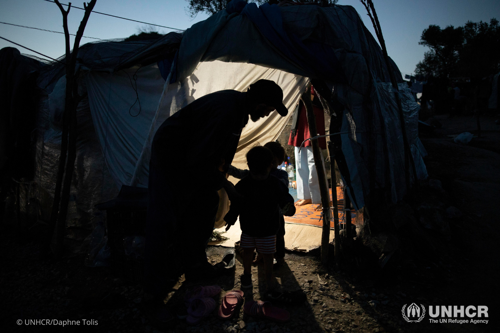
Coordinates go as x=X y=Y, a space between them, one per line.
x=65 y=25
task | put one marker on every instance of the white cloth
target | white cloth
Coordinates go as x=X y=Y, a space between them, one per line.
x=307 y=175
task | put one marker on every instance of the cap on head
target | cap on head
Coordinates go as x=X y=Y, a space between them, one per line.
x=269 y=93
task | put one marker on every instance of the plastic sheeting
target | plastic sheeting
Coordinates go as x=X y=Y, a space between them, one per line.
x=123 y=105
x=392 y=136
x=91 y=182
x=372 y=140
x=279 y=38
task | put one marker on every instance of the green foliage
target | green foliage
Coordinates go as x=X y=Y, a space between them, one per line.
x=213 y=6
x=144 y=36
x=206 y=6
x=468 y=51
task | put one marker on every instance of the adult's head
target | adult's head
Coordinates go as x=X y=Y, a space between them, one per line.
x=264 y=97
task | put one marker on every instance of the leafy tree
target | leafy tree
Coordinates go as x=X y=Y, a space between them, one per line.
x=468 y=51
x=144 y=36
x=442 y=59
x=206 y=6
x=213 y=6
x=480 y=54
x=145 y=33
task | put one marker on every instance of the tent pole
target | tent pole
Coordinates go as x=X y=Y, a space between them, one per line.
x=318 y=161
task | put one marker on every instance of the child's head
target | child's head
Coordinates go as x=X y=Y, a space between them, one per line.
x=278 y=152
x=260 y=161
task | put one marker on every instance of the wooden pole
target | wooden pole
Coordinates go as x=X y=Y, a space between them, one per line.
x=318 y=161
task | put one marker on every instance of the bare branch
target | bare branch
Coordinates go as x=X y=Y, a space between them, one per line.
x=65 y=26
x=369 y=13
x=81 y=28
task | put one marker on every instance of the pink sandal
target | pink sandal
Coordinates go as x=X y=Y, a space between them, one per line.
x=231 y=303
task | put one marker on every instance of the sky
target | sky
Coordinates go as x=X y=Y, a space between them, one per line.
x=402 y=22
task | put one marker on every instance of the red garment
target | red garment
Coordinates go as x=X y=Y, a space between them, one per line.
x=303 y=128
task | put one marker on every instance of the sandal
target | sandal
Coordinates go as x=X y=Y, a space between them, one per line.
x=260 y=309
x=231 y=304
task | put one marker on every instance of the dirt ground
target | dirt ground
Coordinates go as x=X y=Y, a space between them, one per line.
x=459 y=264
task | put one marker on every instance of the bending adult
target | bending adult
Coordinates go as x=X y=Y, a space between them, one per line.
x=190 y=154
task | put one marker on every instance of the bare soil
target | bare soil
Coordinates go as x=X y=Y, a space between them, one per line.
x=454 y=266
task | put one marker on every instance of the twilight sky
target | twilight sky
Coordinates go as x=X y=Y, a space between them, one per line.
x=402 y=22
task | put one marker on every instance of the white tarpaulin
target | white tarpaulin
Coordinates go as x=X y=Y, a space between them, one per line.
x=123 y=105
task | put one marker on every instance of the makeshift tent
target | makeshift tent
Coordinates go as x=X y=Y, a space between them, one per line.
x=132 y=87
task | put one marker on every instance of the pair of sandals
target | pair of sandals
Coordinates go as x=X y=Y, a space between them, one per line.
x=233 y=300
x=200 y=303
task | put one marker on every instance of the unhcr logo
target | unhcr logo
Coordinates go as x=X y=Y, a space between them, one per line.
x=413 y=313
x=458 y=314
x=446 y=314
